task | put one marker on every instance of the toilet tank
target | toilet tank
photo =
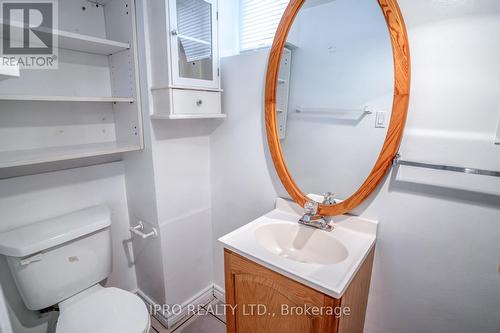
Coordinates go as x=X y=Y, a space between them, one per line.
x=55 y=259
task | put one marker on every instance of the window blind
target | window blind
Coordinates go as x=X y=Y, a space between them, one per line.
x=194 y=20
x=259 y=21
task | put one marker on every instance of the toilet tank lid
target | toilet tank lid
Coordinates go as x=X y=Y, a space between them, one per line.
x=39 y=236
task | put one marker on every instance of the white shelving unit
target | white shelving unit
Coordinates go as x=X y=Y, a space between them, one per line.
x=16 y=158
x=89 y=44
x=185 y=59
x=8 y=72
x=79 y=42
x=89 y=106
x=67 y=99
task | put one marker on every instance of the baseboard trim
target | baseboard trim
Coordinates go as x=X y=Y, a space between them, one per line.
x=169 y=320
x=219 y=293
x=150 y=304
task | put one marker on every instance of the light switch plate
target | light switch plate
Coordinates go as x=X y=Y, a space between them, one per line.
x=380 y=119
x=497 y=138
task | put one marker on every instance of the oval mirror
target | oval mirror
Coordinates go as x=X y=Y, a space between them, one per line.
x=337 y=92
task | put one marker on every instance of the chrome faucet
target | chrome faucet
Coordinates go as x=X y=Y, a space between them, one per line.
x=311 y=219
x=329 y=198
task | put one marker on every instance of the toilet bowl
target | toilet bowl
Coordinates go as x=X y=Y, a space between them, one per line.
x=61 y=262
x=105 y=310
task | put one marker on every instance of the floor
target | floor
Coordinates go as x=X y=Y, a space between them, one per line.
x=209 y=320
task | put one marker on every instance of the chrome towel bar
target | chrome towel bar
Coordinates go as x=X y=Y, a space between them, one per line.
x=398 y=161
x=138 y=230
x=301 y=109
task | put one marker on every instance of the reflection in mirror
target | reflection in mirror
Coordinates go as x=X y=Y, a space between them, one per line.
x=334 y=96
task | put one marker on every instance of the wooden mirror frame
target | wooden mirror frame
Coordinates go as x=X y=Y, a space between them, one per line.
x=401 y=55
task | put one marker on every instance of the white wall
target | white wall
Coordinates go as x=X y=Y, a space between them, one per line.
x=240 y=173
x=182 y=178
x=337 y=52
x=28 y=199
x=456 y=80
x=169 y=187
x=436 y=266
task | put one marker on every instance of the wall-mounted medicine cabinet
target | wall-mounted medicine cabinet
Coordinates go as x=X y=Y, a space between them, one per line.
x=90 y=105
x=185 y=59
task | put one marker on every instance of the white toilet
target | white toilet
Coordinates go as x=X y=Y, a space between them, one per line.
x=61 y=261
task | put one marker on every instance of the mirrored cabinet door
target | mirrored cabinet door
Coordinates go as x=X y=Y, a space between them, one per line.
x=193 y=29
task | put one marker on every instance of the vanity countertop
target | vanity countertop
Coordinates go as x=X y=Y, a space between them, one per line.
x=357 y=235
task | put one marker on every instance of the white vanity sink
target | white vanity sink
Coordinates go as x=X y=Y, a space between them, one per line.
x=301 y=243
x=325 y=261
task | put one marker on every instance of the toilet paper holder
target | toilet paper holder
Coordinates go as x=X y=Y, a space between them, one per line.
x=138 y=230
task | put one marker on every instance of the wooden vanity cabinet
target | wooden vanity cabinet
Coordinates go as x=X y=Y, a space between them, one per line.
x=260 y=300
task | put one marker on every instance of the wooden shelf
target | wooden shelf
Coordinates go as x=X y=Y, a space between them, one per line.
x=82 y=43
x=67 y=99
x=16 y=158
x=188 y=116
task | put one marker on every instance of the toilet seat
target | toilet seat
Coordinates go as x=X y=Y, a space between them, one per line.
x=104 y=310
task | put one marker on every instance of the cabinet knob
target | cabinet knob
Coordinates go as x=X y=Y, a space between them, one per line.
x=174 y=32
x=199 y=102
